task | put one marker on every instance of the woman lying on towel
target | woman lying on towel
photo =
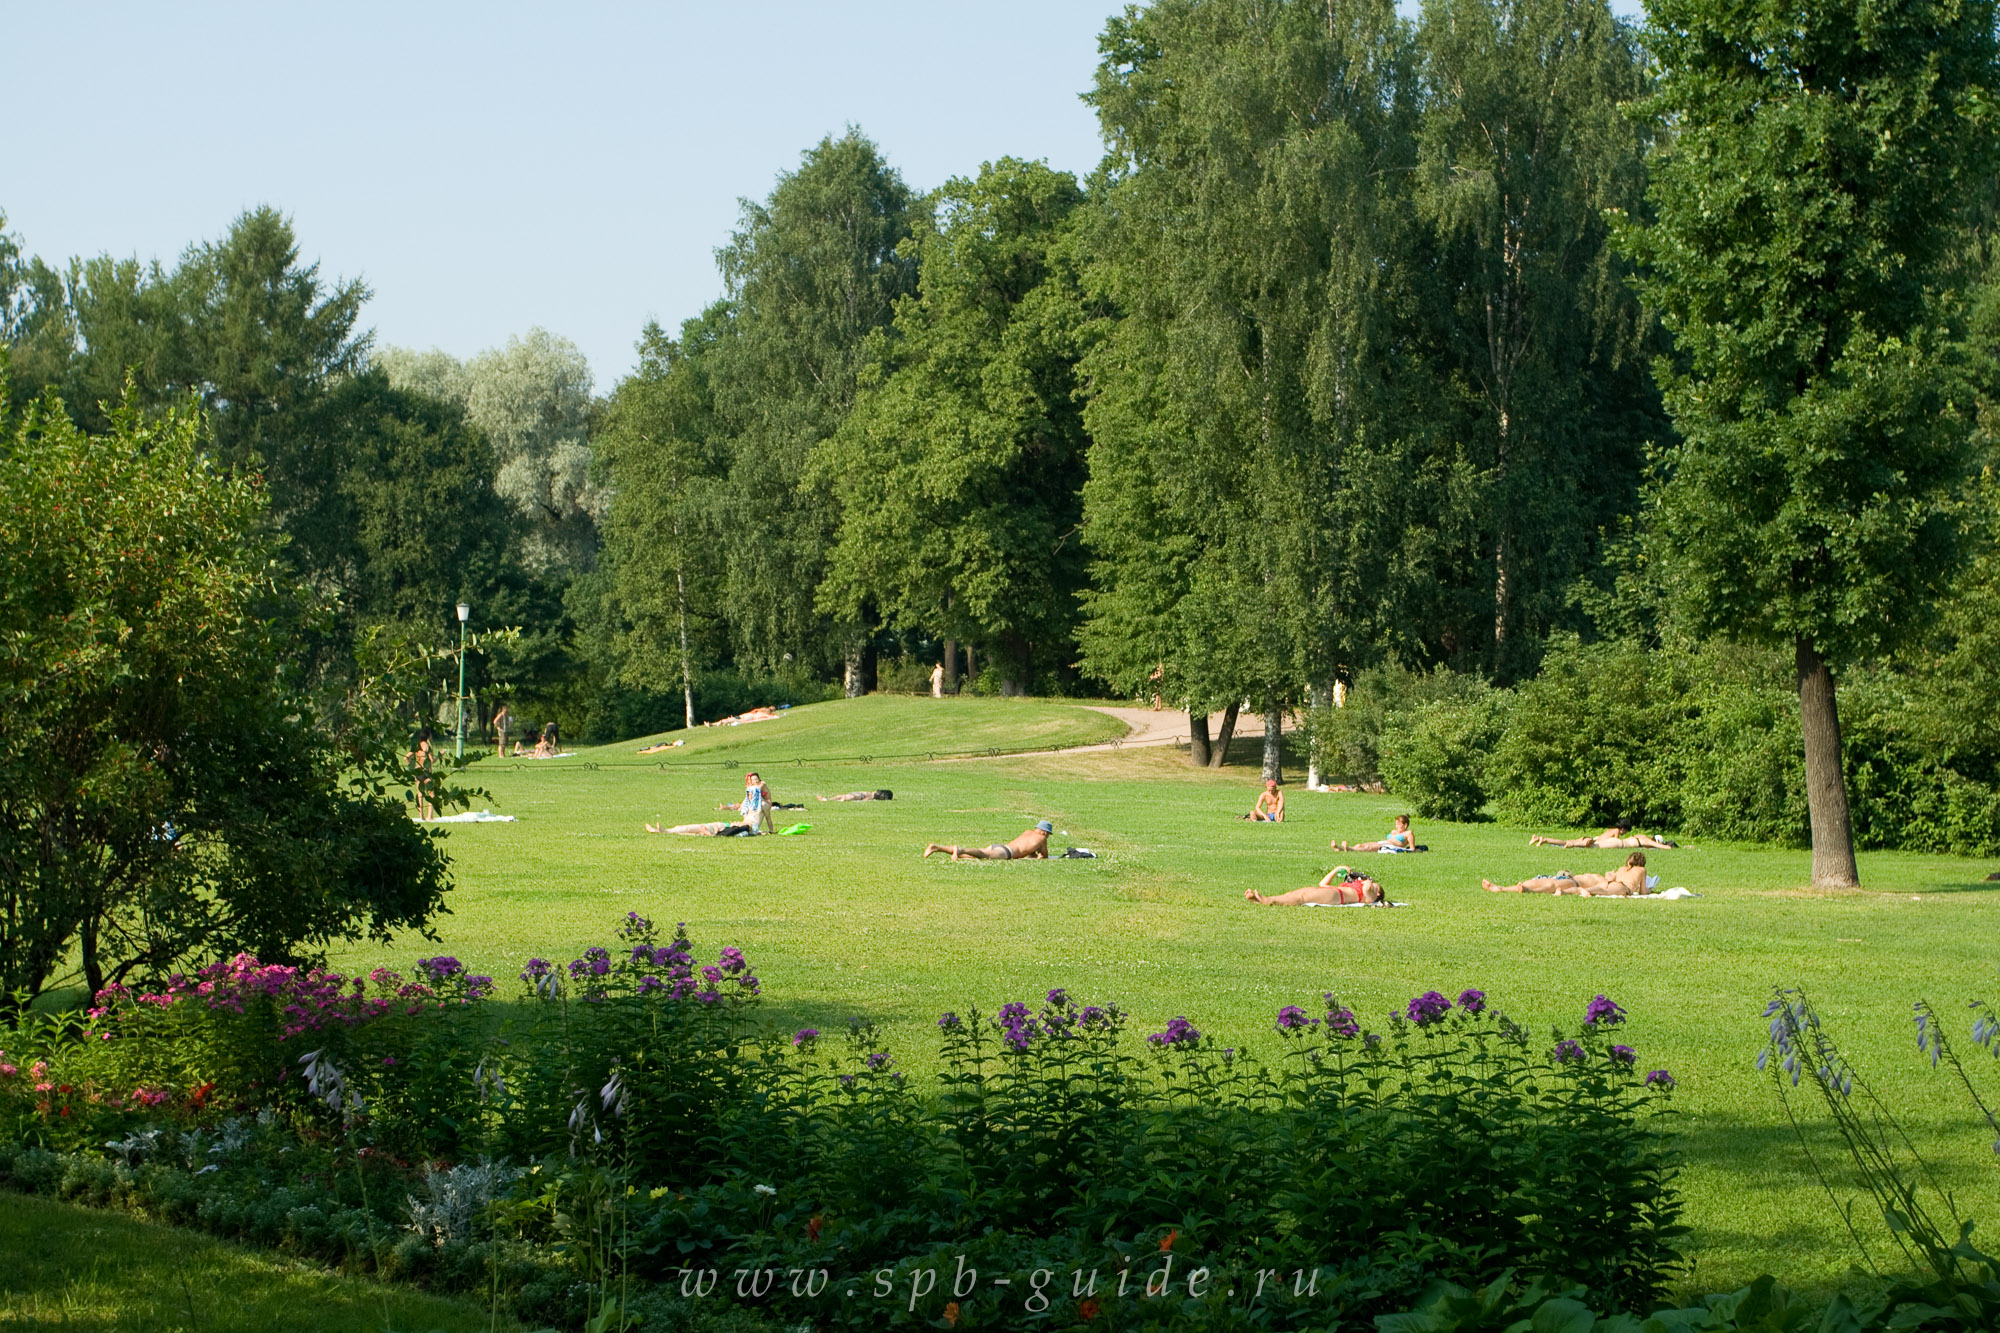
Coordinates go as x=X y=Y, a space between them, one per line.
x=713 y=830
x=1615 y=838
x=1341 y=886
x=1400 y=839
x=1627 y=881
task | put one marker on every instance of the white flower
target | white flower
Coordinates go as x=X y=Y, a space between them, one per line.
x=764 y=1189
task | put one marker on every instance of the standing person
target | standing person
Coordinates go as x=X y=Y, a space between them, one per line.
x=421 y=759
x=1030 y=844
x=937 y=681
x=1270 y=807
x=502 y=720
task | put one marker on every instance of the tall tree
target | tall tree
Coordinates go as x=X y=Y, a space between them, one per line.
x=811 y=272
x=1525 y=143
x=1811 y=208
x=1255 y=150
x=958 y=473
x=667 y=458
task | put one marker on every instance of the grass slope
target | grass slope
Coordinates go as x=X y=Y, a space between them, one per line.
x=848 y=919
x=99 y=1272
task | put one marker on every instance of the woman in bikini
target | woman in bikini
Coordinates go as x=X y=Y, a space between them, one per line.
x=1616 y=838
x=1627 y=881
x=1341 y=887
x=1400 y=839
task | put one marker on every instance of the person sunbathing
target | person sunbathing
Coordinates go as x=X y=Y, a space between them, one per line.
x=1341 y=887
x=663 y=745
x=1032 y=844
x=1400 y=839
x=1627 y=881
x=1615 y=838
x=718 y=829
x=1270 y=807
x=884 y=795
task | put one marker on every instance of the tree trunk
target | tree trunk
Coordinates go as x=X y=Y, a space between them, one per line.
x=1833 y=864
x=1198 y=739
x=1219 y=755
x=951 y=666
x=1320 y=699
x=971 y=667
x=687 y=666
x=1274 y=738
x=851 y=678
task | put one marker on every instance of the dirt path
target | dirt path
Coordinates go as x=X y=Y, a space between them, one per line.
x=1148 y=728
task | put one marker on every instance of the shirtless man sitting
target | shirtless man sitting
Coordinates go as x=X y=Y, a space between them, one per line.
x=1341 y=886
x=1030 y=845
x=1615 y=838
x=1270 y=807
x=1627 y=881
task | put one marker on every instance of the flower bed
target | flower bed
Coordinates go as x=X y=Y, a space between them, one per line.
x=630 y=1133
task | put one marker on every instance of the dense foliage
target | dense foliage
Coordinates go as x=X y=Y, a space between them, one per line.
x=170 y=783
x=631 y=1114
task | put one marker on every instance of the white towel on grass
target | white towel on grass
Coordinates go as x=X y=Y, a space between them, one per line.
x=470 y=817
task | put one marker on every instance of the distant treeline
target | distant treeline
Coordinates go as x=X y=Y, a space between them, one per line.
x=1350 y=356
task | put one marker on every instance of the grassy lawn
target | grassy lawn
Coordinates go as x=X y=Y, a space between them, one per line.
x=847 y=919
x=81 y=1268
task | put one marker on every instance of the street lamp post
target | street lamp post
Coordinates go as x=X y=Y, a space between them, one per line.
x=464 y=612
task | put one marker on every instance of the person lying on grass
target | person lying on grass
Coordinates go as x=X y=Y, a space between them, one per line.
x=1031 y=844
x=1270 y=807
x=1400 y=839
x=883 y=795
x=1627 y=881
x=1617 y=837
x=1341 y=886
x=718 y=829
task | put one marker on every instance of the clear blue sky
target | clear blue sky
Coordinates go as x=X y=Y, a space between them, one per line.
x=489 y=167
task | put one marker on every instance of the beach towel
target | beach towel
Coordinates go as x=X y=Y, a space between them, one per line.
x=1080 y=854
x=1354 y=904
x=470 y=817
x=795 y=828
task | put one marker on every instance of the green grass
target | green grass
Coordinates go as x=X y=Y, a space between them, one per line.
x=100 y=1272
x=849 y=920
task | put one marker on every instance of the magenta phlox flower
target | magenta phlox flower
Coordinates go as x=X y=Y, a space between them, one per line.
x=1179 y=1033
x=1569 y=1052
x=1472 y=1001
x=950 y=1022
x=1340 y=1019
x=1428 y=1008
x=1624 y=1055
x=878 y=1061
x=1291 y=1018
x=712 y=975
x=1660 y=1078
x=732 y=961
x=1603 y=1011
x=805 y=1037
x=1058 y=998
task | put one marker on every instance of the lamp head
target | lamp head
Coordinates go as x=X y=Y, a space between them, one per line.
x=464 y=612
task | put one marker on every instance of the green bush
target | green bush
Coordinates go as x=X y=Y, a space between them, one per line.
x=1436 y=756
x=1349 y=739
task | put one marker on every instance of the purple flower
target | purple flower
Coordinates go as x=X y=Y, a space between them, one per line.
x=1179 y=1032
x=1291 y=1018
x=1011 y=1013
x=847 y=1080
x=1624 y=1055
x=1568 y=1052
x=536 y=969
x=1059 y=998
x=478 y=988
x=878 y=1061
x=950 y=1022
x=649 y=984
x=805 y=1036
x=1660 y=1077
x=1472 y=1001
x=1428 y=1008
x=732 y=960
x=1603 y=1010
x=708 y=996
x=1340 y=1019
x=1093 y=1017
x=712 y=975
x=440 y=969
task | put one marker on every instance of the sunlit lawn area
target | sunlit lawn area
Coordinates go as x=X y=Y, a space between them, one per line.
x=76 y=1268
x=847 y=919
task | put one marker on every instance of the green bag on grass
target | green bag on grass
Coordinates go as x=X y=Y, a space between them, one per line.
x=796 y=828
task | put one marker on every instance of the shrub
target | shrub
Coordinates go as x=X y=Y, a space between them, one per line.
x=1349 y=739
x=1436 y=756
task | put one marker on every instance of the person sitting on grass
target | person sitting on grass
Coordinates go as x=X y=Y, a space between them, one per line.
x=1032 y=844
x=1615 y=838
x=884 y=795
x=1627 y=881
x=1341 y=887
x=1270 y=807
x=755 y=807
x=1400 y=839
x=719 y=829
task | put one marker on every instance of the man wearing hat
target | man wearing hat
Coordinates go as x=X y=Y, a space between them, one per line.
x=1031 y=844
